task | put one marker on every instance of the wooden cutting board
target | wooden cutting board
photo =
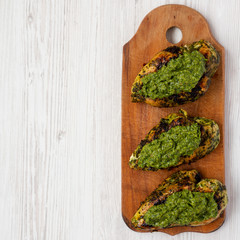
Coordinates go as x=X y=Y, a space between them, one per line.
x=139 y=118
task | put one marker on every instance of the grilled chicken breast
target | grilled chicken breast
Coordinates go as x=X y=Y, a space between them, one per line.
x=176 y=75
x=183 y=199
x=176 y=140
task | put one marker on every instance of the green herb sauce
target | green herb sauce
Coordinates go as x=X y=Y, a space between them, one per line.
x=166 y=151
x=179 y=75
x=182 y=208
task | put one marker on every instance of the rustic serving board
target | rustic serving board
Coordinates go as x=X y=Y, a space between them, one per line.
x=139 y=118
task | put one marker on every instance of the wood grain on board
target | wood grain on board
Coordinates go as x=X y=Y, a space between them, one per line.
x=139 y=118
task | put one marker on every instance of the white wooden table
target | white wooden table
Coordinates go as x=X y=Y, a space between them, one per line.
x=60 y=111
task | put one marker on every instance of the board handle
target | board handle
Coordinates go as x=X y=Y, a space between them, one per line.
x=157 y=22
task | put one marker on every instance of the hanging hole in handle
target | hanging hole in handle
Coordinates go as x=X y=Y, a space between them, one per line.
x=174 y=35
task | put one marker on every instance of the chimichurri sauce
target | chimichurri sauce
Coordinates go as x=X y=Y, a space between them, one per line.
x=179 y=75
x=166 y=151
x=182 y=208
